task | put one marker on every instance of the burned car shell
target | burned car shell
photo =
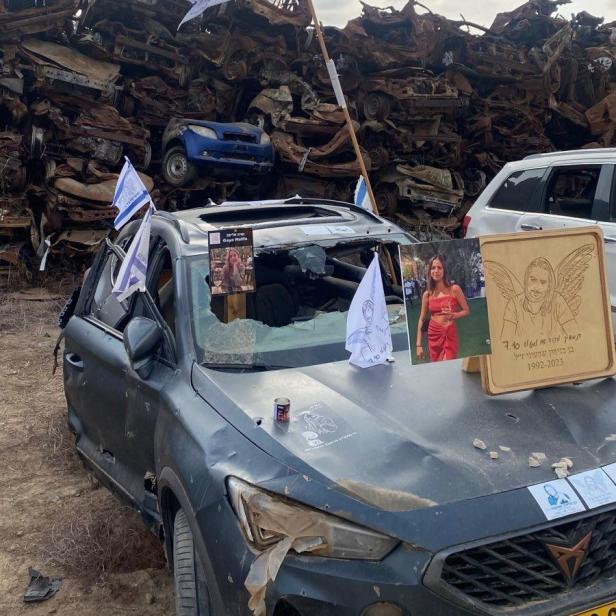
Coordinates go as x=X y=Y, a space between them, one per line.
x=404 y=464
x=238 y=145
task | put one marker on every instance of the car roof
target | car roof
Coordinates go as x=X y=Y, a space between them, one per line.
x=597 y=155
x=281 y=221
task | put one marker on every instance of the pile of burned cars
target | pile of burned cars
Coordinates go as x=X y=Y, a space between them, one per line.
x=438 y=107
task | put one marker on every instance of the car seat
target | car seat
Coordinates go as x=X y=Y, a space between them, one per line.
x=273 y=304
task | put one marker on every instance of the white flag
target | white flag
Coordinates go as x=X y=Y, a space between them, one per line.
x=362 y=198
x=198 y=7
x=132 y=274
x=130 y=195
x=368 y=336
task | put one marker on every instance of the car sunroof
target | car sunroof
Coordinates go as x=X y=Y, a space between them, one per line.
x=268 y=214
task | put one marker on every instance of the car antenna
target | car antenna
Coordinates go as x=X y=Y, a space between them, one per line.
x=210 y=202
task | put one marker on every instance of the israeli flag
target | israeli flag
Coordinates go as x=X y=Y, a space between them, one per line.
x=132 y=274
x=362 y=198
x=198 y=7
x=368 y=336
x=130 y=195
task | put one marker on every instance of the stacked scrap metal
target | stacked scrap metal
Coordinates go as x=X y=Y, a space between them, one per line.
x=438 y=105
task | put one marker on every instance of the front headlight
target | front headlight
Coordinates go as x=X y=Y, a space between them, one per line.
x=265 y=139
x=267 y=519
x=203 y=131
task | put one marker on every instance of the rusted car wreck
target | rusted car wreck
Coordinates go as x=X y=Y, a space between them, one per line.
x=84 y=84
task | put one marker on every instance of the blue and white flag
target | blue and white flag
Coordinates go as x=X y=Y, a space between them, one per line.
x=198 y=7
x=368 y=337
x=130 y=195
x=132 y=274
x=362 y=198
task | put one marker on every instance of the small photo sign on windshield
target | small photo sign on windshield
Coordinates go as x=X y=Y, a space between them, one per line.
x=231 y=261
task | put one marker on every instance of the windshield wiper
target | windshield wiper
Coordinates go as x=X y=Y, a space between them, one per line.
x=255 y=366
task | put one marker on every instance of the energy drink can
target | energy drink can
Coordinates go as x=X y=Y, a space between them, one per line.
x=282 y=409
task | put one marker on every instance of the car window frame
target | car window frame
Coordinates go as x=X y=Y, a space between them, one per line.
x=536 y=198
x=602 y=210
x=110 y=262
x=155 y=260
x=552 y=170
x=142 y=307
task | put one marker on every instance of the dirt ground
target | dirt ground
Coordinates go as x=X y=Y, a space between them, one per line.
x=52 y=517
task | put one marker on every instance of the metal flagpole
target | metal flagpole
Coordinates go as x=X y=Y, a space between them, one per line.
x=331 y=68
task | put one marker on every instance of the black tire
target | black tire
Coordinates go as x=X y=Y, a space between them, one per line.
x=386 y=196
x=376 y=106
x=177 y=170
x=191 y=596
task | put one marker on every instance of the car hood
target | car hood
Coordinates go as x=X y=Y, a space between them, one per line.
x=401 y=437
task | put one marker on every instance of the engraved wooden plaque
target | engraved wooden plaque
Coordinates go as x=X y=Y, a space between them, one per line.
x=549 y=309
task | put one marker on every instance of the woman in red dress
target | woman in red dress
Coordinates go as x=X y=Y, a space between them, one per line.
x=446 y=303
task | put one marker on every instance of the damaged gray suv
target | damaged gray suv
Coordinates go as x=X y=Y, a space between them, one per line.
x=371 y=500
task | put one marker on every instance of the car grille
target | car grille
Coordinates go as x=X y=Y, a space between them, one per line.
x=244 y=137
x=516 y=571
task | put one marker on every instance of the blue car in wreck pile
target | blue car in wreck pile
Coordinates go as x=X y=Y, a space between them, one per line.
x=225 y=149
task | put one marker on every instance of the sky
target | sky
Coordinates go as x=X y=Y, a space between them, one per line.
x=338 y=12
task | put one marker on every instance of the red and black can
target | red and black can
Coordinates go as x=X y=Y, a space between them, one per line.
x=282 y=409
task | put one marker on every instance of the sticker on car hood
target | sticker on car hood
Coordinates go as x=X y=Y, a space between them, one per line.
x=317 y=426
x=557 y=499
x=595 y=488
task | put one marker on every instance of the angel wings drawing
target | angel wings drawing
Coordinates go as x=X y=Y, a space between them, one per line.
x=548 y=301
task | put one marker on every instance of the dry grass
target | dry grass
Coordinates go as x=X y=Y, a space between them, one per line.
x=17 y=316
x=86 y=534
x=60 y=443
x=97 y=537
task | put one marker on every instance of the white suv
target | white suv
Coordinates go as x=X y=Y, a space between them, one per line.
x=550 y=191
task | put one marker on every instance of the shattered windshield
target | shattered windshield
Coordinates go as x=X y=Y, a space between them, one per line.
x=297 y=314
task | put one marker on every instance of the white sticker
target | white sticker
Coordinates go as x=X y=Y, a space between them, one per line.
x=316 y=230
x=214 y=239
x=333 y=75
x=340 y=229
x=595 y=488
x=610 y=469
x=556 y=499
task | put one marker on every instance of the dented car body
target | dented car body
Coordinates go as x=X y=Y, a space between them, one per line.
x=372 y=500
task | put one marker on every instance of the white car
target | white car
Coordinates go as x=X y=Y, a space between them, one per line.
x=552 y=191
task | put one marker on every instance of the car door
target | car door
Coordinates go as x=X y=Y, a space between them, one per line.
x=112 y=410
x=578 y=196
x=95 y=366
x=514 y=206
x=145 y=396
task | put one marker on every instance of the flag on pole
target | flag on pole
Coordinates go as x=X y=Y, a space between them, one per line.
x=368 y=336
x=362 y=198
x=130 y=195
x=132 y=274
x=198 y=7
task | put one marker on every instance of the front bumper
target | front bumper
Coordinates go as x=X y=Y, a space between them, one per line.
x=231 y=155
x=311 y=586
x=408 y=578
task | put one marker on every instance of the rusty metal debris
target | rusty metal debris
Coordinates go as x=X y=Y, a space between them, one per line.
x=438 y=106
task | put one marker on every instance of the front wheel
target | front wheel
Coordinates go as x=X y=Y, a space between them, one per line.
x=191 y=595
x=177 y=169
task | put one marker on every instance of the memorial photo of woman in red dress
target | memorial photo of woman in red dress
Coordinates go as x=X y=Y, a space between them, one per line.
x=445 y=303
